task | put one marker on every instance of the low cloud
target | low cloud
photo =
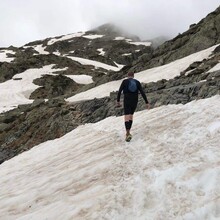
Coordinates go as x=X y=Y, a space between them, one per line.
x=24 y=21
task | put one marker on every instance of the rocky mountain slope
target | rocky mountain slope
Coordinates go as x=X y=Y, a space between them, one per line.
x=97 y=53
x=83 y=61
x=198 y=37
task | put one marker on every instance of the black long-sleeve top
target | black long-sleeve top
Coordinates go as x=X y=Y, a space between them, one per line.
x=126 y=92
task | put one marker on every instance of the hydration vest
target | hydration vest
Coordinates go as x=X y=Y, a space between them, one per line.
x=132 y=85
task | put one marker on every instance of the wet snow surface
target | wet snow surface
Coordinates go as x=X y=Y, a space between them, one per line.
x=170 y=170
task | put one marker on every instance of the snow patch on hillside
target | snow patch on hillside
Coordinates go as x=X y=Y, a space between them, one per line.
x=93 y=36
x=127 y=54
x=17 y=90
x=119 y=38
x=65 y=37
x=147 y=44
x=81 y=79
x=4 y=57
x=96 y=64
x=39 y=48
x=215 y=68
x=57 y=53
x=101 y=51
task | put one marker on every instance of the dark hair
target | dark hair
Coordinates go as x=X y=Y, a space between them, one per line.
x=131 y=74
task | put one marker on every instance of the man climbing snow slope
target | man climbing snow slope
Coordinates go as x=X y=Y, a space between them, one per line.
x=130 y=88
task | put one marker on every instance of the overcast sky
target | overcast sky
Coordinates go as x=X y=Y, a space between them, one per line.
x=23 y=21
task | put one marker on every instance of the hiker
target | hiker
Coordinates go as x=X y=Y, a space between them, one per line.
x=130 y=88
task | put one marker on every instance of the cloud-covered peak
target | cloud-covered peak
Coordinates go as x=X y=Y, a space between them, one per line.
x=114 y=30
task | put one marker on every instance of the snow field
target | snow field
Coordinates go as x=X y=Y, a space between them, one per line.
x=15 y=92
x=170 y=169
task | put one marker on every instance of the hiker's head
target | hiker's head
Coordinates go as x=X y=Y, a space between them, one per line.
x=130 y=74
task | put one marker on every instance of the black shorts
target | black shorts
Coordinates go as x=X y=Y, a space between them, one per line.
x=130 y=104
x=129 y=109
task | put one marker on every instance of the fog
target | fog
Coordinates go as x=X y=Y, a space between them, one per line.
x=25 y=21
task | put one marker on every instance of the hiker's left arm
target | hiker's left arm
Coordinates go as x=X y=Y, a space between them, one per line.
x=142 y=93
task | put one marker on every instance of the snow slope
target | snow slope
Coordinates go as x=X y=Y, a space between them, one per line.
x=169 y=171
